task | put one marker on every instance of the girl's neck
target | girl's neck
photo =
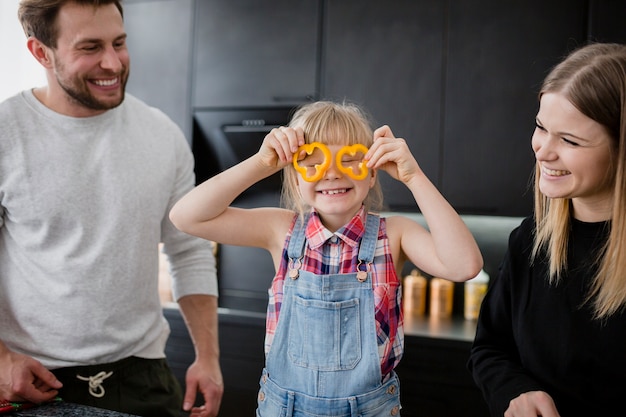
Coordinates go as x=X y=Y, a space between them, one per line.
x=335 y=221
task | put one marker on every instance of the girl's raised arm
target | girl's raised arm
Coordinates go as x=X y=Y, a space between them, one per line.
x=205 y=211
x=447 y=249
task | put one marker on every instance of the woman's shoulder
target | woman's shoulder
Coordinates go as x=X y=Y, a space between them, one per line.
x=524 y=232
x=521 y=242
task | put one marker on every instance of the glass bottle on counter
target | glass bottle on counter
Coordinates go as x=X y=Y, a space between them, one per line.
x=441 y=297
x=414 y=294
x=475 y=290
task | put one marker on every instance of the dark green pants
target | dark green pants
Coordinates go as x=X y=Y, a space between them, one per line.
x=144 y=387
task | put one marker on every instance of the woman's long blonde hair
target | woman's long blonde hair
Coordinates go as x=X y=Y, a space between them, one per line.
x=593 y=78
x=332 y=124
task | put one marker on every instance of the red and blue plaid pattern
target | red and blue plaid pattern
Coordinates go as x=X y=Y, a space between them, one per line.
x=337 y=253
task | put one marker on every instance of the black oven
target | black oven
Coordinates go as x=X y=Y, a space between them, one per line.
x=222 y=138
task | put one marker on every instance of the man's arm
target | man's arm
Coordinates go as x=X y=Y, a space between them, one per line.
x=204 y=375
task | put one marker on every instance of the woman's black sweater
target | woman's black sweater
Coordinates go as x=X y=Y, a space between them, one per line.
x=532 y=335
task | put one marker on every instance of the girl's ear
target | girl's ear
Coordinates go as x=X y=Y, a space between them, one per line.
x=40 y=51
x=372 y=178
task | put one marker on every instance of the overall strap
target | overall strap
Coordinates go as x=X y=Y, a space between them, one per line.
x=295 y=249
x=369 y=239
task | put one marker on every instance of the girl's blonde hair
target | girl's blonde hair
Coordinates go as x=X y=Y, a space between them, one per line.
x=593 y=78
x=332 y=124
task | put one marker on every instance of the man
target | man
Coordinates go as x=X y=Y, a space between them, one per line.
x=87 y=178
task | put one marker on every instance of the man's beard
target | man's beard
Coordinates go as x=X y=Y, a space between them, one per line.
x=80 y=94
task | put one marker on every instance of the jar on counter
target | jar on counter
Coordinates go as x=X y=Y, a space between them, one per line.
x=475 y=290
x=441 y=297
x=414 y=294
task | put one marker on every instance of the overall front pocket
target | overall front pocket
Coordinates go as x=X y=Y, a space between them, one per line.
x=325 y=335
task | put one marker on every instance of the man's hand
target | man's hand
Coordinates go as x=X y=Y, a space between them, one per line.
x=204 y=375
x=206 y=379
x=23 y=378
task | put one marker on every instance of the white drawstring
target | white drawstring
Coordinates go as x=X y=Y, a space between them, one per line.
x=95 y=383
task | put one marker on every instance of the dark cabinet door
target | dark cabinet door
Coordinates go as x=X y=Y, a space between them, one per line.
x=159 y=39
x=387 y=57
x=498 y=54
x=255 y=53
x=434 y=381
x=606 y=20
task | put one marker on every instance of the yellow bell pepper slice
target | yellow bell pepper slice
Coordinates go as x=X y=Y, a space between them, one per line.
x=320 y=169
x=349 y=171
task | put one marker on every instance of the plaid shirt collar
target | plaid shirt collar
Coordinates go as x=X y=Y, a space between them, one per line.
x=317 y=234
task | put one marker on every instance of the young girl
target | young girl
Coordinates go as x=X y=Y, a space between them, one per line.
x=334 y=325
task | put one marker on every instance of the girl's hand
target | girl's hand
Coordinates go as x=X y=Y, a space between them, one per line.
x=392 y=155
x=279 y=146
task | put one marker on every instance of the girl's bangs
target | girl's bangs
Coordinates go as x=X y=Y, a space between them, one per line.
x=337 y=128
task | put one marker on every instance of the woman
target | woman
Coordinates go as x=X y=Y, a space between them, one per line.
x=551 y=335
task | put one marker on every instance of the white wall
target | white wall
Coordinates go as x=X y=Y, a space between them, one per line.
x=18 y=68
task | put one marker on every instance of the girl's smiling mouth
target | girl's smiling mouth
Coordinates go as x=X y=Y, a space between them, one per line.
x=334 y=192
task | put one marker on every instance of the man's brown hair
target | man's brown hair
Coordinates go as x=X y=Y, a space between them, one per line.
x=38 y=17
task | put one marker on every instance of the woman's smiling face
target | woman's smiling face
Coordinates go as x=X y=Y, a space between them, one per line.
x=574 y=155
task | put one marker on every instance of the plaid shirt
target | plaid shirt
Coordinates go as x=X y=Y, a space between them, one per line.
x=337 y=253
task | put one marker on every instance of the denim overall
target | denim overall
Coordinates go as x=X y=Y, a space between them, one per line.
x=324 y=357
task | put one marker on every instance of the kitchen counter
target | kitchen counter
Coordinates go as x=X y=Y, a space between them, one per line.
x=450 y=328
x=63 y=409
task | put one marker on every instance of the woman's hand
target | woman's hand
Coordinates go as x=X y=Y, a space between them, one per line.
x=392 y=155
x=279 y=146
x=532 y=404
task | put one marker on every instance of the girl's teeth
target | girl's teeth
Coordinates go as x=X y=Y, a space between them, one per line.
x=330 y=192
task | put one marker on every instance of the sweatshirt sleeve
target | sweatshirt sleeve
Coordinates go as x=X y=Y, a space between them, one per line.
x=494 y=359
x=192 y=264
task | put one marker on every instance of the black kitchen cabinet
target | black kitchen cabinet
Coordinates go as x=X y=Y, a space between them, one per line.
x=388 y=57
x=435 y=382
x=458 y=81
x=159 y=42
x=606 y=20
x=252 y=53
x=497 y=56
